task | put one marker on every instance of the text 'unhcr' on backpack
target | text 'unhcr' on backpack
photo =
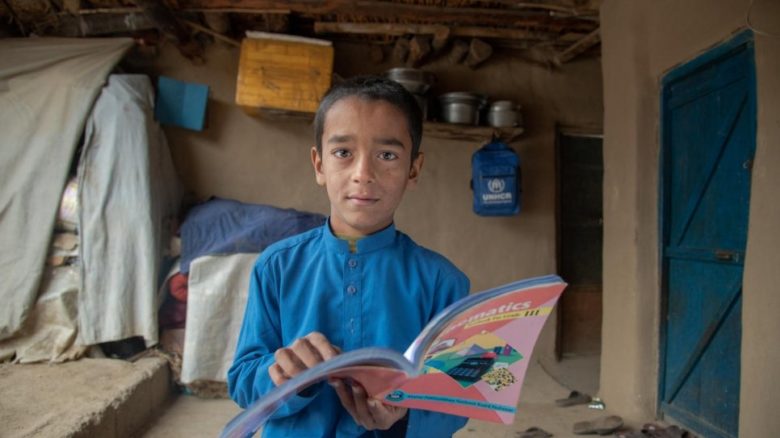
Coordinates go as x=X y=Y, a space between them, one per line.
x=495 y=179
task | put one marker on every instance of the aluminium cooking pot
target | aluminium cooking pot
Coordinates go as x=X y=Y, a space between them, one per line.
x=461 y=107
x=416 y=81
x=504 y=113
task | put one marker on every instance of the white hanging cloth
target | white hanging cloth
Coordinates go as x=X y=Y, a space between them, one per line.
x=47 y=88
x=128 y=199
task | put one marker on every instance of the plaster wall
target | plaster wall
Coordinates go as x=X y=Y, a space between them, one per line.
x=261 y=161
x=641 y=41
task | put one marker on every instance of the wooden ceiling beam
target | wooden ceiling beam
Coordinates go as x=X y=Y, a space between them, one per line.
x=239 y=11
x=400 y=12
x=550 y=7
x=396 y=29
x=93 y=24
x=213 y=33
x=580 y=46
x=167 y=23
x=15 y=18
x=164 y=19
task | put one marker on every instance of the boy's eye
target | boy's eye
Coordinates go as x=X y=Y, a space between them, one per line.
x=387 y=156
x=341 y=153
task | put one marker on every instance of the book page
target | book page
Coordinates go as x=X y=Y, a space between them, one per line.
x=367 y=363
x=376 y=380
x=476 y=365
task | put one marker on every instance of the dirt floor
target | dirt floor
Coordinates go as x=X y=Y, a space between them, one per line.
x=113 y=398
x=192 y=417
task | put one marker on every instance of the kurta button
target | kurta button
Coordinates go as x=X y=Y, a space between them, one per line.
x=351 y=289
x=352 y=263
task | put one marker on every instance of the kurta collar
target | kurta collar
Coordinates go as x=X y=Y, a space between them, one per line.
x=369 y=243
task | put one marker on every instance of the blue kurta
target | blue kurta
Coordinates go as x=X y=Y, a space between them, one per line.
x=382 y=295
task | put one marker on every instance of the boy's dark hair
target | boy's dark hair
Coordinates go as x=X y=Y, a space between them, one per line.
x=373 y=88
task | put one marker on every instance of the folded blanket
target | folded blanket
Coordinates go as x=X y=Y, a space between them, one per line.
x=224 y=226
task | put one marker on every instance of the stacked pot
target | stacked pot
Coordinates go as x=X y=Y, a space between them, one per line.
x=472 y=109
x=416 y=82
x=460 y=107
x=504 y=114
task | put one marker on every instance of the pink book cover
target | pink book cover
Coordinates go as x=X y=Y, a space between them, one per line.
x=475 y=367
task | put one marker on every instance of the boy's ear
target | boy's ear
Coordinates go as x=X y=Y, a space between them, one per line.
x=316 y=162
x=414 y=172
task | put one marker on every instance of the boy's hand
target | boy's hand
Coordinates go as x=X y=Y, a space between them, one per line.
x=367 y=411
x=301 y=355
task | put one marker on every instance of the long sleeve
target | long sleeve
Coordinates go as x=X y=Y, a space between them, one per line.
x=260 y=337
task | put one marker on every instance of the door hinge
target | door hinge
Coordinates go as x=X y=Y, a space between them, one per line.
x=726 y=256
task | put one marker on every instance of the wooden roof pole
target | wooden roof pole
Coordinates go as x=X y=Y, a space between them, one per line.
x=397 y=29
x=580 y=46
x=164 y=19
x=400 y=12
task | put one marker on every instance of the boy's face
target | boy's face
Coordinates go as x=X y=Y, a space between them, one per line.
x=366 y=164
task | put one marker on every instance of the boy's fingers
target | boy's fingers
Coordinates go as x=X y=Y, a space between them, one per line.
x=289 y=362
x=378 y=410
x=313 y=349
x=306 y=352
x=364 y=416
x=322 y=345
x=345 y=395
x=277 y=374
x=385 y=415
x=301 y=355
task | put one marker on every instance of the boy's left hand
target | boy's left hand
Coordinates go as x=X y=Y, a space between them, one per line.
x=368 y=412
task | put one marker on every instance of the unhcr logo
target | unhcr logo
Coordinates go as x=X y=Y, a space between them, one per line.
x=496 y=185
x=497 y=193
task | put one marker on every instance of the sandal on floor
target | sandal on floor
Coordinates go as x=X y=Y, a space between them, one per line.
x=601 y=426
x=534 y=432
x=655 y=431
x=575 y=398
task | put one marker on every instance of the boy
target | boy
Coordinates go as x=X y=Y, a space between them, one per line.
x=354 y=282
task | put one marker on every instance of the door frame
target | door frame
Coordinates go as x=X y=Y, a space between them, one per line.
x=571 y=131
x=742 y=38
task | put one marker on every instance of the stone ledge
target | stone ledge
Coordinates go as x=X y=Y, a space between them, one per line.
x=86 y=398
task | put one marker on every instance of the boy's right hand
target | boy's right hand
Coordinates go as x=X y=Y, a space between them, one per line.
x=301 y=355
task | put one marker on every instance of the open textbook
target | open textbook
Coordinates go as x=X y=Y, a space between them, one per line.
x=470 y=360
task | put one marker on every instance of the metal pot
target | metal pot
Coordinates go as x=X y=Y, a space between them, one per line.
x=422 y=101
x=414 y=80
x=461 y=107
x=504 y=113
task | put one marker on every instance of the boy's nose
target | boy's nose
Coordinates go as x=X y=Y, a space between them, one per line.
x=364 y=170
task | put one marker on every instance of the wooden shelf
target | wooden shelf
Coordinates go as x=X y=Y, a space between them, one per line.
x=446 y=131
x=480 y=134
x=279 y=115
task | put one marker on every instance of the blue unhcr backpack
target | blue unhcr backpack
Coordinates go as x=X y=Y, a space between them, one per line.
x=495 y=179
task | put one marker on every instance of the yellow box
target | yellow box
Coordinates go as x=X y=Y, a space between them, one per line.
x=280 y=72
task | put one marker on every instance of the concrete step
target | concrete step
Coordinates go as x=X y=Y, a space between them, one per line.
x=105 y=398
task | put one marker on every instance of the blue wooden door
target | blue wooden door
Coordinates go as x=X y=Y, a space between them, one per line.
x=708 y=141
